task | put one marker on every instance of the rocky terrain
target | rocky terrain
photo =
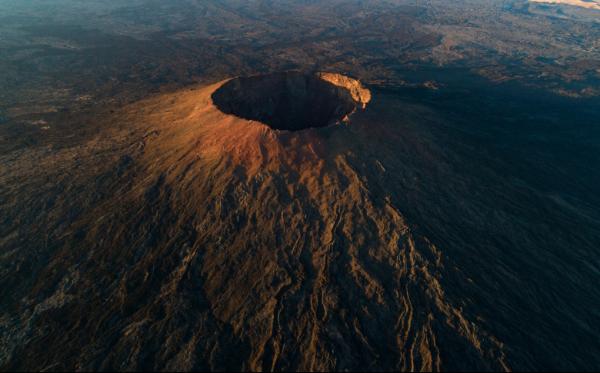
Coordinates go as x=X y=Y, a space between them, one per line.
x=299 y=185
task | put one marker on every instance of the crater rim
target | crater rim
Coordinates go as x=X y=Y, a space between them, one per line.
x=292 y=100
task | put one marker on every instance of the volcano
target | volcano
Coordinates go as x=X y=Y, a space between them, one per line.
x=240 y=225
x=284 y=221
x=295 y=185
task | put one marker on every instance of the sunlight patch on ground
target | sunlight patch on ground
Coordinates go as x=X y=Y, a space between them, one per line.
x=591 y=4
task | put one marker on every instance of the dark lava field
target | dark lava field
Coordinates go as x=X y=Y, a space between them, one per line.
x=299 y=185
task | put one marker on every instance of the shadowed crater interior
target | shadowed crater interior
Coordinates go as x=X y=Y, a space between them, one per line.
x=285 y=101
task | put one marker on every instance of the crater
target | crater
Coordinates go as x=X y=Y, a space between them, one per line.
x=291 y=101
